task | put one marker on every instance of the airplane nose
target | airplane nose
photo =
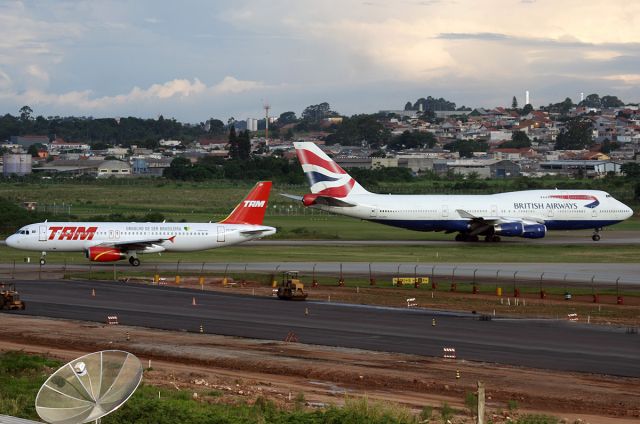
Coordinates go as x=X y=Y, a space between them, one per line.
x=11 y=241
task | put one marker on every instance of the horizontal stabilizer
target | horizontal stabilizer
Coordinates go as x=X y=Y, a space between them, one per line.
x=291 y=196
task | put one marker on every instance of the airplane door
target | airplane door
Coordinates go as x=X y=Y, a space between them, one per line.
x=494 y=210
x=445 y=211
x=220 y=234
x=550 y=212
x=374 y=213
x=42 y=233
x=594 y=212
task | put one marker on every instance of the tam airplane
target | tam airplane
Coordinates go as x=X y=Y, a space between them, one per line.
x=114 y=241
x=527 y=214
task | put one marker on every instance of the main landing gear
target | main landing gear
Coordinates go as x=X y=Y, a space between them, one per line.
x=134 y=261
x=467 y=237
x=596 y=236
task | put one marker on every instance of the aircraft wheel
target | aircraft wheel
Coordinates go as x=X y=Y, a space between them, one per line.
x=495 y=239
x=488 y=239
x=474 y=238
x=460 y=237
x=595 y=237
x=134 y=261
x=43 y=261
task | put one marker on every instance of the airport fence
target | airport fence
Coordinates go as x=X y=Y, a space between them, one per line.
x=505 y=281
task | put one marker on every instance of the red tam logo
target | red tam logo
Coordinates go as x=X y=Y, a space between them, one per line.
x=72 y=233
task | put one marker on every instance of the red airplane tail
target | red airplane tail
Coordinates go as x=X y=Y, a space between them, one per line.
x=252 y=209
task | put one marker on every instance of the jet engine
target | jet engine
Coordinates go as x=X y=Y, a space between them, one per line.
x=309 y=199
x=509 y=229
x=533 y=231
x=104 y=254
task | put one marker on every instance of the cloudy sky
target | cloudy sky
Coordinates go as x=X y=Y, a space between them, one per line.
x=193 y=60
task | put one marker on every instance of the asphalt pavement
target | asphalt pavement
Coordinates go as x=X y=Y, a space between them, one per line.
x=548 y=344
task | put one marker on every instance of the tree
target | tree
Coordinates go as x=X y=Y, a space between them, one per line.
x=34 y=149
x=216 y=126
x=607 y=146
x=287 y=118
x=514 y=103
x=611 y=101
x=527 y=109
x=234 y=151
x=413 y=140
x=631 y=170
x=244 y=145
x=358 y=129
x=408 y=106
x=519 y=139
x=316 y=113
x=577 y=135
x=25 y=113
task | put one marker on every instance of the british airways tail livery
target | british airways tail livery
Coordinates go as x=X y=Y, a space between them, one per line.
x=527 y=214
x=113 y=241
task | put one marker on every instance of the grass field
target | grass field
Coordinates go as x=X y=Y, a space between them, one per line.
x=202 y=202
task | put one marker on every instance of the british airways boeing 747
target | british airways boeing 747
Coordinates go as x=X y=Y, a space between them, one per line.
x=528 y=214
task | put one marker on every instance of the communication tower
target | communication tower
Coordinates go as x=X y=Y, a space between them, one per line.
x=266 y=122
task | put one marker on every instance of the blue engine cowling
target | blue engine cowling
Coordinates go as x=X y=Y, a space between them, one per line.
x=509 y=229
x=534 y=231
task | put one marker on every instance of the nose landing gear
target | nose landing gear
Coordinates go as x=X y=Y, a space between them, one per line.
x=43 y=258
x=596 y=236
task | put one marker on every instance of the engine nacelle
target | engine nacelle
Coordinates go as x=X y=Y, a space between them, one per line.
x=309 y=199
x=104 y=254
x=534 y=231
x=509 y=229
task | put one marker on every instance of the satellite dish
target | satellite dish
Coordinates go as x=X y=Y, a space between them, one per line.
x=89 y=387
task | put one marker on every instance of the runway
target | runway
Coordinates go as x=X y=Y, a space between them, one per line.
x=560 y=345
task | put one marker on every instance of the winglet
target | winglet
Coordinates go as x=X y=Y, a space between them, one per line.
x=252 y=209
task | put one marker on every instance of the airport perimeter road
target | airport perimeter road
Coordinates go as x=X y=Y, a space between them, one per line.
x=560 y=345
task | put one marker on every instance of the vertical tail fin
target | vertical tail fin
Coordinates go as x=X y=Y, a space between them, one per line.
x=325 y=177
x=252 y=209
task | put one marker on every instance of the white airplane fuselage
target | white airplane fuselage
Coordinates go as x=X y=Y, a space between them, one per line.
x=178 y=237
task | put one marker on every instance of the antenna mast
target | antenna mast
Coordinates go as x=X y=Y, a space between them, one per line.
x=266 y=122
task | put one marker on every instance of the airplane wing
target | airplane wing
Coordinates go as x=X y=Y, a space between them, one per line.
x=480 y=224
x=137 y=244
x=321 y=200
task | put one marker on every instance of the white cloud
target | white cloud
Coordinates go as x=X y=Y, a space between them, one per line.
x=233 y=85
x=177 y=89
x=38 y=73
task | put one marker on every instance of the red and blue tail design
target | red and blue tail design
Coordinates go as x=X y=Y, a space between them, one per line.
x=326 y=178
x=591 y=205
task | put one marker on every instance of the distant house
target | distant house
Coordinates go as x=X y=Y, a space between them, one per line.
x=113 y=168
x=490 y=168
x=59 y=145
x=26 y=141
x=589 y=168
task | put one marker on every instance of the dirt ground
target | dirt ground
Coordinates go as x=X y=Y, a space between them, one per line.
x=228 y=369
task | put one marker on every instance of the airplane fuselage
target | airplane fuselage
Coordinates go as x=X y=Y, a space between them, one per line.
x=173 y=237
x=556 y=209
